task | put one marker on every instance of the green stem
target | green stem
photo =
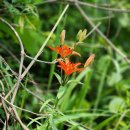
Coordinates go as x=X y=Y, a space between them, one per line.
x=56 y=103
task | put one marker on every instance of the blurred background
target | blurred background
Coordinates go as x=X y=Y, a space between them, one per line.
x=102 y=98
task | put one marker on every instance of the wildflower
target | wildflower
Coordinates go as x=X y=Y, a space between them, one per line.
x=69 y=67
x=64 y=51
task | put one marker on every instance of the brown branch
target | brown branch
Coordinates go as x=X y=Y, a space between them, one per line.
x=11 y=105
x=4 y=106
x=20 y=72
x=41 y=61
x=102 y=35
x=92 y=5
x=22 y=56
x=99 y=6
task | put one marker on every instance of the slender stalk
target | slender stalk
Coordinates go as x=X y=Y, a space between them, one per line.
x=41 y=61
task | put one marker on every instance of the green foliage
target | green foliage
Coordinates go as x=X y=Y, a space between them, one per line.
x=97 y=98
x=117 y=105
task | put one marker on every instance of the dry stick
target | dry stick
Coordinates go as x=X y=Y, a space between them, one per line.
x=44 y=44
x=99 y=7
x=41 y=61
x=102 y=35
x=10 y=53
x=16 y=59
x=47 y=104
x=16 y=116
x=4 y=106
x=40 y=51
x=5 y=98
x=1 y=122
x=36 y=96
x=103 y=18
x=14 y=73
x=22 y=54
x=20 y=72
x=93 y=30
x=11 y=105
x=21 y=47
x=33 y=61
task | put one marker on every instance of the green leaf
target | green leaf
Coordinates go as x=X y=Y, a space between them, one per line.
x=105 y=122
x=35 y=120
x=113 y=79
x=77 y=116
x=83 y=90
x=21 y=23
x=58 y=77
x=32 y=41
x=70 y=88
x=78 y=82
x=102 y=63
x=51 y=120
x=61 y=91
x=124 y=20
x=117 y=105
x=44 y=104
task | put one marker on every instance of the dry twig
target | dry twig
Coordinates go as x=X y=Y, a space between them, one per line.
x=20 y=72
x=99 y=6
x=101 y=34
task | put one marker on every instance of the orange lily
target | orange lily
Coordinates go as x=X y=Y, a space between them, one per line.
x=69 y=67
x=64 y=51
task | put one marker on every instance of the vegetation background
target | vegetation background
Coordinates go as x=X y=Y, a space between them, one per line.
x=98 y=98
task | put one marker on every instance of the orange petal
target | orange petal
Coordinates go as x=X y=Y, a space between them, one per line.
x=52 y=48
x=76 y=53
x=80 y=69
x=77 y=64
x=89 y=60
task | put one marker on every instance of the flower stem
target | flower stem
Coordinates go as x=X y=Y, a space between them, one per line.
x=56 y=103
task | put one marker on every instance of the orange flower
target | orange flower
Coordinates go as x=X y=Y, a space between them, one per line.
x=64 y=51
x=69 y=67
